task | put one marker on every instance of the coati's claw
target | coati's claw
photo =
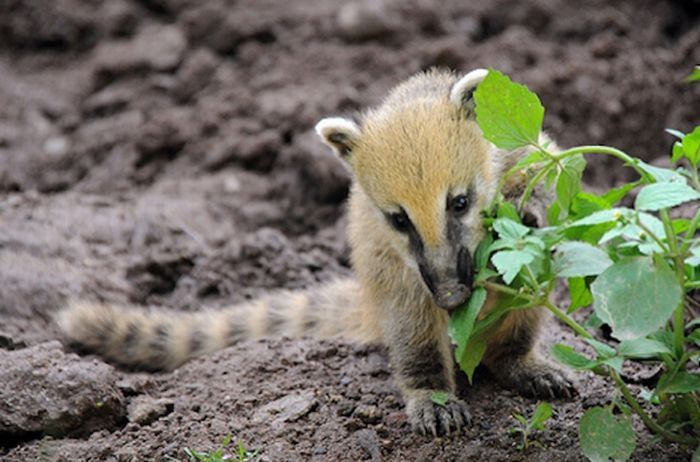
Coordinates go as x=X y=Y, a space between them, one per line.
x=430 y=419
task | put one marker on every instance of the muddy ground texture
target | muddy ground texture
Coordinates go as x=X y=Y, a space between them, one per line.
x=160 y=152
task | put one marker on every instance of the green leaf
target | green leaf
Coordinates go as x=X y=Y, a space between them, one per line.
x=510 y=262
x=481 y=256
x=507 y=210
x=677 y=133
x=682 y=382
x=485 y=274
x=461 y=323
x=615 y=362
x=615 y=195
x=577 y=259
x=694 y=259
x=680 y=225
x=473 y=353
x=636 y=296
x=542 y=413
x=566 y=355
x=601 y=348
x=579 y=294
x=691 y=146
x=694 y=337
x=440 y=398
x=696 y=453
x=533 y=158
x=584 y=204
x=604 y=436
x=659 y=196
x=677 y=152
x=509 y=229
x=597 y=218
x=660 y=174
x=643 y=348
x=593 y=321
x=694 y=76
x=509 y=115
x=568 y=185
x=664 y=337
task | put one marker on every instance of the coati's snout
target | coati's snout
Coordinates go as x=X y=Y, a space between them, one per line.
x=451 y=287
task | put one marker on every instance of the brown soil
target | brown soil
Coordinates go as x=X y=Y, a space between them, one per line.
x=160 y=152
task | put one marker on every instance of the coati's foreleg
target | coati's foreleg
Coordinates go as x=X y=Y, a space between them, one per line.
x=514 y=361
x=419 y=347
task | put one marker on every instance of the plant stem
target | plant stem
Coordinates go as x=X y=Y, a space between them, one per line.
x=533 y=183
x=652 y=235
x=607 y=150
x=648 y=421
x=690 y=232
x=568 y=320
x=678 y=335
x=502 y=288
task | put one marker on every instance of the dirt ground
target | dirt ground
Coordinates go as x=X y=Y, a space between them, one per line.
x=161 y=152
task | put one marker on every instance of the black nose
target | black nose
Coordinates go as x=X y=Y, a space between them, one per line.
x=451 y=295
x=465 y=270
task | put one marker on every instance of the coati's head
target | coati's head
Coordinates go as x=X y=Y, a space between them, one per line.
x=422 y=160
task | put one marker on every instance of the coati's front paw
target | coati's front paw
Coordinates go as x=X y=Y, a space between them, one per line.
x=538 y=379
x=429 y=418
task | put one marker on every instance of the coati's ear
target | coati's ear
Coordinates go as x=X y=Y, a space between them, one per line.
x=340 y=134
x=462 y=91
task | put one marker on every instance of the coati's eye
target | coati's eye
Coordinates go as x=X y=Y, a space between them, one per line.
x=459 y=204
x=400 y=221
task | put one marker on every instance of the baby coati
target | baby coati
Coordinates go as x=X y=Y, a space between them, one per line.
x=422 y=174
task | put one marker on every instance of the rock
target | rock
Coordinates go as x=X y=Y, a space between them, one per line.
x=158 y=48
x=145 y=410
x=8 y=343
x=287 y=409
x=60 y=23
x=369 y=441
x=365 y=19
x=368 y=414
x=253 y=151
x=47 y=391
x=164 y=134
x=195 y=73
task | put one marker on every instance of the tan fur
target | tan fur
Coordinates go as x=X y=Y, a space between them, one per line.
x=413 y=152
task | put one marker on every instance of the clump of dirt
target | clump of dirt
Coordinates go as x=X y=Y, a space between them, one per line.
x=161 y=152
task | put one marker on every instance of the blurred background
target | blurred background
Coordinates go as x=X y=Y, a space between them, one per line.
x=162 y=152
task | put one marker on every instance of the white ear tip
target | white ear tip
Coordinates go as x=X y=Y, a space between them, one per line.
x=336 y=124
x=466 y=83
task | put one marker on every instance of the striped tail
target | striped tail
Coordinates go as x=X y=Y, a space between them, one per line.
x=162 y=340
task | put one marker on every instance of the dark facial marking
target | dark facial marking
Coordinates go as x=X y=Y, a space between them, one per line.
x=465 y=270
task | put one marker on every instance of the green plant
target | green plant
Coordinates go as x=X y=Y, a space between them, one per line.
x=440 y=398
x=636 y=265
x=525 y=426
x=695 y=75
x=241 y=455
